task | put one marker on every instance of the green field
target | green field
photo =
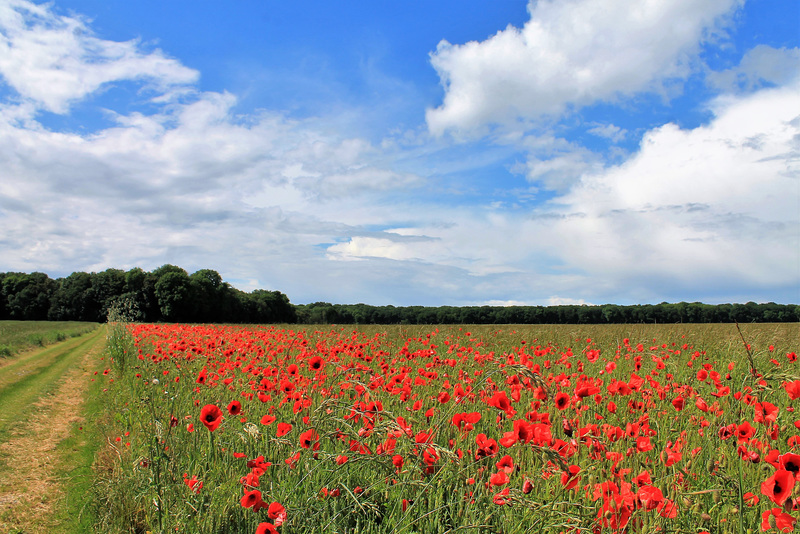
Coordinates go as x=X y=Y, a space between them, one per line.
x=19 y=336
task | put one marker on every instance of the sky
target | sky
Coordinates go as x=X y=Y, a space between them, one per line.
x=458 y=152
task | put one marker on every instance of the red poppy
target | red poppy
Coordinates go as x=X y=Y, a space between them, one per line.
x=309 y=439
x=267 y=420
x=790 y=462
x=498 y=479
x=570 y=478
x=792 y=389
x=782 y=521
x=750 y=499
x=745 y=431
x=506 y=464
x=779 y=486
x=251 y=498
x=211 y=416
x=397 y=461
x=562 y=401
x=316 y=363
x=277 y=512
x=283 y=429
x=527 y=486
x=266 y=528
x=235 y=408
x=765 y=412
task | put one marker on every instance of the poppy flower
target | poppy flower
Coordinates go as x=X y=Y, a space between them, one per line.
x=251 y=498
x=765 y=412
x=397 y=461
x=267 y=420
x=792 y=389
x=750 y=499
x=745 y=431
x=562 y=401
x=316 y=363
x=570 y=478
x=782 y=521
x=277 y=512
x=527 y=486
x=235 y=408
x=211 y=416
x=499 y=478
x=779 y=486
x=501 y=497
x=283 y=429
x=506 y=464
x=668 y=509
x=790 y=462
x=309 y=439
x=266 y=528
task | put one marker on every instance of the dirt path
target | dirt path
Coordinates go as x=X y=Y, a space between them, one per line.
x=29 y=486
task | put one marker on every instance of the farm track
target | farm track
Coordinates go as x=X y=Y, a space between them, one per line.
x=41 y=395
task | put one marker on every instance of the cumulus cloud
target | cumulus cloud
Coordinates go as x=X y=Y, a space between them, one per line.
x=55 y=60
x=570 y=53
x=717 y=204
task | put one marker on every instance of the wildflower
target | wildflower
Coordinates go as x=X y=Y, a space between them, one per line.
x=562 y=401
x=779 y=486
x=211 y=416
x=527 y=486
x=277 y=512
x=309 y=439
x=570 y=478
x=782 y=521
x=251 y=498
x=792 y=389
x=266 y=528
x=498 y=479
x=235 y=408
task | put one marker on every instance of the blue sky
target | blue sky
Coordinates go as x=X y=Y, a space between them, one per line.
x=454 y=152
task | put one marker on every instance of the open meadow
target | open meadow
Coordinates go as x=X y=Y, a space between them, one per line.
x=574 y=429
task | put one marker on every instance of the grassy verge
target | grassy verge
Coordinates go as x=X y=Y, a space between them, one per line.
x=20 y=336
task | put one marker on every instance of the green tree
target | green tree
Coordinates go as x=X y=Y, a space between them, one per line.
x=172 y=294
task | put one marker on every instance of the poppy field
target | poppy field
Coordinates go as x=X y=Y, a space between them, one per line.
x=571 y=429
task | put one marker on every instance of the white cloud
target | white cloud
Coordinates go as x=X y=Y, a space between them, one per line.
x=608 y=131
x=717 y=204
x=55 y=60
x=761 y=65
x=570 y=53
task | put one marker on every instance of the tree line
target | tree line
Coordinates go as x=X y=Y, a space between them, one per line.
x=681 y=312
x=166 y=294
x=170 y=294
